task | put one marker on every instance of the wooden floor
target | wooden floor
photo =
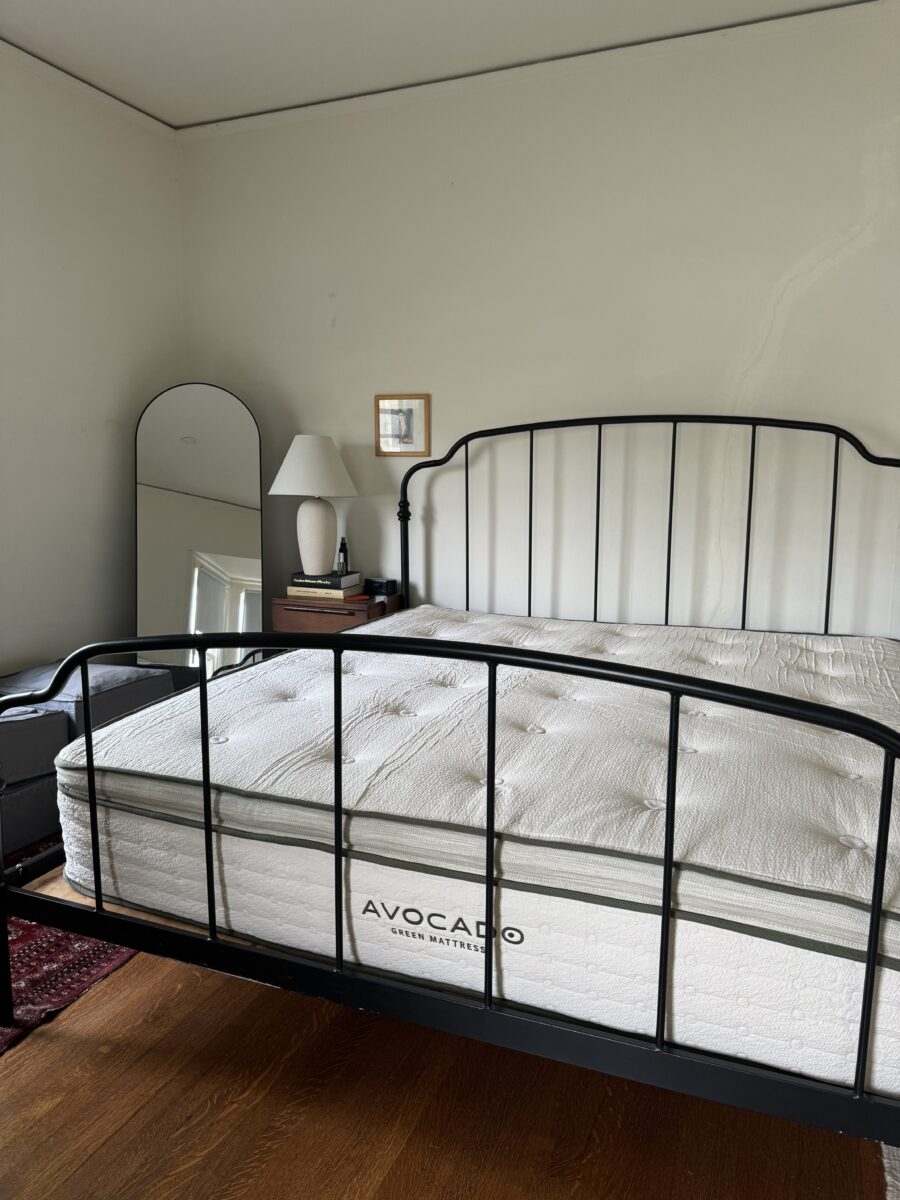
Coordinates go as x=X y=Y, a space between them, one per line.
x=167 y=1082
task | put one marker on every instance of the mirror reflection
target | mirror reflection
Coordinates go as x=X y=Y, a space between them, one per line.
x=199 y=566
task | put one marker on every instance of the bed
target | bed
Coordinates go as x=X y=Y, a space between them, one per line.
x=469 y=820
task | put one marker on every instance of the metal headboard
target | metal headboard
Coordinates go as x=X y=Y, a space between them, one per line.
x=835 y=431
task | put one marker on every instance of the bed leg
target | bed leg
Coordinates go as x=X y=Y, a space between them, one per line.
x=7 y=1015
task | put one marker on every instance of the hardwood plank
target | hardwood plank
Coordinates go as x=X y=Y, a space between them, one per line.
x=69 y=1073
x=168 y=1081
x=308 y=1110
x=528 y=1128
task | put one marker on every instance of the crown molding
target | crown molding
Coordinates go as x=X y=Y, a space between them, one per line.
x=35 y=65
x=549 y=68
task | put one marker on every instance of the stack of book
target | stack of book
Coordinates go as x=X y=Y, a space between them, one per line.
x=332 y=586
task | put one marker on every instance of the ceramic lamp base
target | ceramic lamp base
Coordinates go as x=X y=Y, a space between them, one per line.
x=317 y=535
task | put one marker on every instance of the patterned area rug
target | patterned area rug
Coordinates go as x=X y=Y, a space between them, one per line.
x=50 y=969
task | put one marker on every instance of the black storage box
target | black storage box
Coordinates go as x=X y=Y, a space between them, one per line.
x=115 y=691
x=30 y=739
x=29 y=813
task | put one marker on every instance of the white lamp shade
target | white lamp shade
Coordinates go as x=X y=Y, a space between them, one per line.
x=312 y=467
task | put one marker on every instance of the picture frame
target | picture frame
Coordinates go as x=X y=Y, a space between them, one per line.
x=403 y=425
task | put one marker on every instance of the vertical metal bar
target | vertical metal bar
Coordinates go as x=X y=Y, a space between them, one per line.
x=2 y=849
x=467 y=524
x=403 y=518
x=530 y=510
x=597 y=519
x=668 y=861
x=7 y=1008
x=671 y=513
x=7 y=1011
x=749 y=526
x=881 y=851
x=207 y=799
x=834 y=495
x=338 y=815
x=92 y=784
x=489 y=836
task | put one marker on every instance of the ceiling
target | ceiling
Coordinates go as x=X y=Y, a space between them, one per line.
x=195 y=61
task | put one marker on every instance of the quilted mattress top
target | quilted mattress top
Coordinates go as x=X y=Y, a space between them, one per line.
x=771 y=815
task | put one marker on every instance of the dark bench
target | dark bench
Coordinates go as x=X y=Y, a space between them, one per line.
x=31 y=738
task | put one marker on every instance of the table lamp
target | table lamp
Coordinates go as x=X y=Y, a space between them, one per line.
x=312 y=467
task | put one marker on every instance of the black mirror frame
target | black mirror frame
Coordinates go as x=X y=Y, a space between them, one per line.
x=137 y=428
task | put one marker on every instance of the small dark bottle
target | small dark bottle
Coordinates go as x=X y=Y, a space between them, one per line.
x=343 y=562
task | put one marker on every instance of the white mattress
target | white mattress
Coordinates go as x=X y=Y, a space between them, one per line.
x=775 y=827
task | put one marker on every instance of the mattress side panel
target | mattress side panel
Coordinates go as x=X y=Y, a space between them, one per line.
x=782 y=1005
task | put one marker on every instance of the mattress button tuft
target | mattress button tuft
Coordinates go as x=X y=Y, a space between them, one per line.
x=346 y=759
x=218 y=740
x=498 y=781
x=854 y=843
x=535 y=729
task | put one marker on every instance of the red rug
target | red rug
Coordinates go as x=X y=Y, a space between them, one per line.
x=50 y=969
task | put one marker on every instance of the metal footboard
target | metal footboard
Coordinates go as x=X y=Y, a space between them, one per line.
x=656 y=1060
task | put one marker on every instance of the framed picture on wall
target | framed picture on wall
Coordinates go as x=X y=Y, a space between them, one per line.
x=403 y=425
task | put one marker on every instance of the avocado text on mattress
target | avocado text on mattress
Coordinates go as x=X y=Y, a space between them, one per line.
x=439 y=928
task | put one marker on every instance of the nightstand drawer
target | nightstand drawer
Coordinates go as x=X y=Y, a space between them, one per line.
x=290 y=615
x=287 y=619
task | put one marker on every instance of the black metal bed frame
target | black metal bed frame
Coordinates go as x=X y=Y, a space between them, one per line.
x=655 y=1060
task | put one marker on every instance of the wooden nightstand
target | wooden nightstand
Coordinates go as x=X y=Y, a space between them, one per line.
x=290 y=615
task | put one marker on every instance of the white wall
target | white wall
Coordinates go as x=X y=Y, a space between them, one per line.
x=89 y=331
x=710 y=224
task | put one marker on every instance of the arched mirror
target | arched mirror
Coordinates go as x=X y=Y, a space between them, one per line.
x=199 y=529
